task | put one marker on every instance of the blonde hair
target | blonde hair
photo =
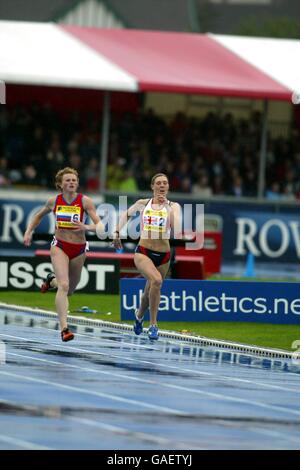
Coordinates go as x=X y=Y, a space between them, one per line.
x=59 y=176
x=156 y=176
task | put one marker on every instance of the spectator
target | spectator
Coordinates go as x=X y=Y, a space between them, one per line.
x=92 y=176
x=218 y=185
x=54 y=159
x=237 y=188
x=30 y=175
x=224 y=149
x=115 y=173
x=128 y=183
x=273 y=193
x=201 y=188
x=4 y=173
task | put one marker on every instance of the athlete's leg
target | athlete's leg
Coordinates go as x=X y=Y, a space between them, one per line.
x=144 y=302
x=60 y=263
x=154 y=278
x=163 y=269
x=75 y=268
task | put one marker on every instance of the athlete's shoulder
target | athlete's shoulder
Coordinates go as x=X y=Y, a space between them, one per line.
x=87 y=202
x=84 y=197
x=138 y=206
x=175 y=206
x=142 y=202
x=51 y=201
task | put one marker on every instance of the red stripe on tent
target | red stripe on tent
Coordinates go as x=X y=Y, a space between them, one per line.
x=179 y=62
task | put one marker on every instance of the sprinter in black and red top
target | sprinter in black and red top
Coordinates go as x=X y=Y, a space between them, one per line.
x=69 y=245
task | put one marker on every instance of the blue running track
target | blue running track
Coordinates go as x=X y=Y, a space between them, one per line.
x=109 y=389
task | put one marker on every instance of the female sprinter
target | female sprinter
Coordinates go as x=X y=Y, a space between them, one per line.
x=69 y=245
x=152 y=256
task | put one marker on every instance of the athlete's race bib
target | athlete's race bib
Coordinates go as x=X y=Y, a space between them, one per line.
x=155 y=220
x=66 y=215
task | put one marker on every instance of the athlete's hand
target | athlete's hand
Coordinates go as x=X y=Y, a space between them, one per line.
x=161 y=198
x=27 y=238
x=117 y=244
x=79 y=226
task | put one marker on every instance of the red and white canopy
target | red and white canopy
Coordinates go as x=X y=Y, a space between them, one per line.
x=132 y=60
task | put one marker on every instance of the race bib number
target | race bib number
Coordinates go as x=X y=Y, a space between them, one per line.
x=66 y=216
x=155 y=221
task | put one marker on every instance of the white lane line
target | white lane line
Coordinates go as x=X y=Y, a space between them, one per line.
x=139 y=403
x=21 y=443
x=161 y=365
x=132 y=345
x=218 y=396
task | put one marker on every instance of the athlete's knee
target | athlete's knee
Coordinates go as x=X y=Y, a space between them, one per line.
x=64 y=286
x=156 y=281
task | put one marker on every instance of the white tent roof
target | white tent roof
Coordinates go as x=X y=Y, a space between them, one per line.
x=278 y=58
x=44 y=54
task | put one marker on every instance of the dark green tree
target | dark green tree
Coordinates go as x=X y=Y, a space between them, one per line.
x=283 y=27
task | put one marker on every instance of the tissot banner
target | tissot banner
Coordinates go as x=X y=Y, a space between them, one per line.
x=98 y=276
x=189 y=301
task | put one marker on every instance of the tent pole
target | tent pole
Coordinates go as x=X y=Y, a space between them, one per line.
x=104 y=140
x=263 y=152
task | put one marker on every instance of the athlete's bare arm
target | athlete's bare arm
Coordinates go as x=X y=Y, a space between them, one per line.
x=176 y=219
x=36 y=220
x=138 y=206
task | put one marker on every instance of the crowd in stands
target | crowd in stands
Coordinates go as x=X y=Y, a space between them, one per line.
x=214 y=155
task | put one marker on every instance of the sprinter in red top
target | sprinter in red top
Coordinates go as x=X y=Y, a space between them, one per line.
x=69 y=245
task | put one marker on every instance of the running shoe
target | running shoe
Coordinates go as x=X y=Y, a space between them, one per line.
x=47 y=283
x=67 y=335
x=153 y=332
x=138 y=324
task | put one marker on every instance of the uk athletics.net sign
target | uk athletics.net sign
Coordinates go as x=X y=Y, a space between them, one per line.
x=189 y=301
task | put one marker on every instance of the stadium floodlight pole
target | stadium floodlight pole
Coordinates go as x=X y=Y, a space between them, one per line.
x=193 y=15
x=104 y=140
x=263 y=152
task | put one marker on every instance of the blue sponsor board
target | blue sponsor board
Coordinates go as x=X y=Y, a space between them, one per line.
x=271 y=231
x=189 y=300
